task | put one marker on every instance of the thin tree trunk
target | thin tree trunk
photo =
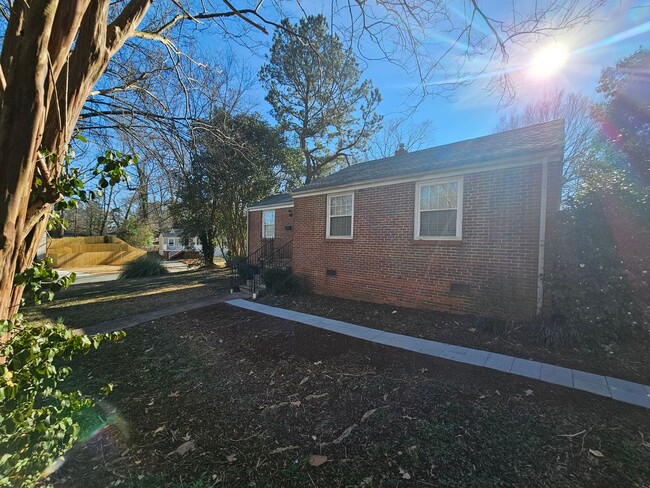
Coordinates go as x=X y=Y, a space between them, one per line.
x=106 y=211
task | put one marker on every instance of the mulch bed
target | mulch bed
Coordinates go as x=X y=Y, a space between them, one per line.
x=227 y=397
x=628 y=360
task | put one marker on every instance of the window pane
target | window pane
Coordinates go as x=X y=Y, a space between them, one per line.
x=268 y=224
x=341 y=226
x=441 y=223
x=341 y=205
x=269 y=217
x=439 y=196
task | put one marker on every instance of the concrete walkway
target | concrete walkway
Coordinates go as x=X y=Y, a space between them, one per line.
x=621 y=390
x=133 y=320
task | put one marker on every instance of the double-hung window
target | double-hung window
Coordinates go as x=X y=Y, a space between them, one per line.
x=439 y=209
x=340 y=216
x=268 y=224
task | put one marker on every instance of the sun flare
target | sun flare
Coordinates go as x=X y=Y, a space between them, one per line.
x=549 y=61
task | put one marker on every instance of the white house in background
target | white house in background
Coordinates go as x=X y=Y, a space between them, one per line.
x=170 y=244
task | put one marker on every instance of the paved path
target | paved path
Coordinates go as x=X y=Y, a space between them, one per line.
x=621 y=390
x=133 y=320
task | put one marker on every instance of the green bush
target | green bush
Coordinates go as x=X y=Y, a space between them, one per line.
x=135 y=232
x=37 y=419
x=588 y=285
x=283 y=282
x=246 y=271
x=143 y=267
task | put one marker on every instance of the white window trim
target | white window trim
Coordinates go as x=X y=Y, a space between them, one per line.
x=459 y=212
x=264 y=226
x=327 y=232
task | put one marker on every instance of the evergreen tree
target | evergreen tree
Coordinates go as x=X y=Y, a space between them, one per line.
x=315 y=88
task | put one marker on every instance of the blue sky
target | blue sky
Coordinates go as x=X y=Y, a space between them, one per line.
x=474 y=110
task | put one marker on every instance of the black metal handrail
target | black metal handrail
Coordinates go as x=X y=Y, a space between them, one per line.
x=242 y=270
x=266 y=257
x=280 y=258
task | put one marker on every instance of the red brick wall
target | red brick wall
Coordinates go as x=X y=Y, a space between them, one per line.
x=497 y=257
x=282 y=234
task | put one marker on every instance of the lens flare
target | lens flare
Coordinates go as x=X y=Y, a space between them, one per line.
x=549 y=61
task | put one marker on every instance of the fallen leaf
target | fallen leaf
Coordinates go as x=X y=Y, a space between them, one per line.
x=404 y=474
x=231 y=458
x=281 y=404
x=186 y=437
x=318 y=362
x=174 y=394
x=345 y=434
x=596 y=453
x=366 y=415
x=304 y=380
x=296 y=403
x=528 y=392
x=283 y=449
x=184 y=448
x=315 y=396
x=159 y=430
x=472 y=329
x=394 y=311
x=317 y=459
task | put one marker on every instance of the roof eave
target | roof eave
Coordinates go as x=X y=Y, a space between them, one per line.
x=554 y=154
x=269 y=207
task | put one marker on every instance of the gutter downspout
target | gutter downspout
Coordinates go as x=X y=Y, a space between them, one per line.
x=248 y=232
x=542 y=237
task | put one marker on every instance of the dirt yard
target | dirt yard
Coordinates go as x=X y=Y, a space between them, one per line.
x=226 y=397
x=628 y=360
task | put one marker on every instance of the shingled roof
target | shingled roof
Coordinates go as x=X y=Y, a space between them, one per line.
x=545 y=137
x=280 y=199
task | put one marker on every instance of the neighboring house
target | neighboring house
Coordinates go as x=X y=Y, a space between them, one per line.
x=461 y=227
x=171 y=244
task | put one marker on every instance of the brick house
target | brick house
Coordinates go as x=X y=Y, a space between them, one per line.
x=459 y=228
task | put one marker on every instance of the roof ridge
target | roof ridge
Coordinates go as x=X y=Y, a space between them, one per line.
x=545 y=136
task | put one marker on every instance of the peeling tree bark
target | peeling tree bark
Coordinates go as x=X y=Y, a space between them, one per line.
x=46 y=82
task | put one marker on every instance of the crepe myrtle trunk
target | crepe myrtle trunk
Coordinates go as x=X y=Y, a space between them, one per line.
x=44 y=83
